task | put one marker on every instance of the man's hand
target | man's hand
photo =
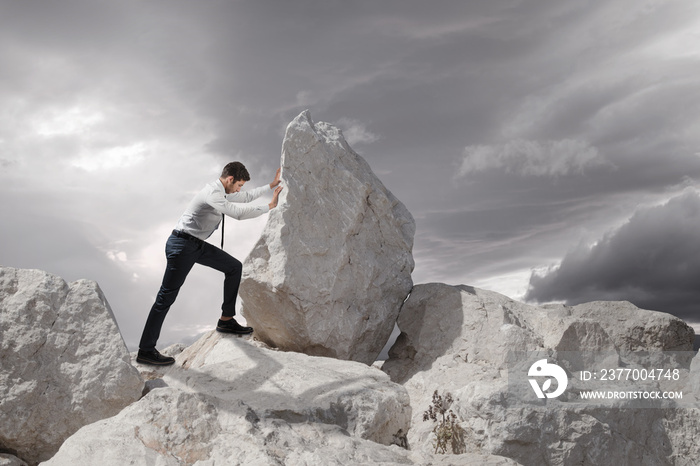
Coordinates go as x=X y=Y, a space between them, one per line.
x=275 y=195
x=276 y=181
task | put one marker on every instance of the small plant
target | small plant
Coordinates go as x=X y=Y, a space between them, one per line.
x=447 y=430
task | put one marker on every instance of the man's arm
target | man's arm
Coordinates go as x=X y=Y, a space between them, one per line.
x=223 y=205
x=239 y=212
x=228 y=203
x=248 y=196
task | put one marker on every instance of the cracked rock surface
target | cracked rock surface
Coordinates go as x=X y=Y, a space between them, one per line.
x=477 y=345
x=64 y=363
x=334 y=262
x=231 y=401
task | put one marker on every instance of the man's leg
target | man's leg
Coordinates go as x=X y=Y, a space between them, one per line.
x=232 y=268
x=182 y=255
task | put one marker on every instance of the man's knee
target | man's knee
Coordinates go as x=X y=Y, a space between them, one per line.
x=235 y=267
x=165 y=298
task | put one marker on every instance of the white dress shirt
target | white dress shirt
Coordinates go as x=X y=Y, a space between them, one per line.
x=203 y=214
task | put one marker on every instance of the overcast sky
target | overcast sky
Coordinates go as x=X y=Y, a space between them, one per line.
x=548 y=150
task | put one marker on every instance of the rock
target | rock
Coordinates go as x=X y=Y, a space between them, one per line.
x=466 y=341
x=170 y=427
x=295 y=387
x=230 y=401
x=153 y=375
x=64 y=363
x=10 y=460
x=334 y=261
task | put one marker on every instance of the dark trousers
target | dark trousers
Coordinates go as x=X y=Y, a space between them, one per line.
x=182 y=253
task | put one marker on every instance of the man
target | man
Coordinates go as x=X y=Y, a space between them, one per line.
x=186 y=246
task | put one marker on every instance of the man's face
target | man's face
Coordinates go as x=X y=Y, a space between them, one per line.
x=232 y=186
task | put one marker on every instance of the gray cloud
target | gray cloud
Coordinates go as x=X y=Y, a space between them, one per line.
x=653 y=261
x=548 y=158
x=510 y=130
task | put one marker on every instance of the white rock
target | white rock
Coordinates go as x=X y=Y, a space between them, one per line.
x=228 y=401
x=334 y=262
x=295 y=387
x=462 y=340
x=64 y=363
x=170 y=427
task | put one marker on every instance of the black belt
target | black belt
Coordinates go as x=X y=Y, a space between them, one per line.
x=187 y=236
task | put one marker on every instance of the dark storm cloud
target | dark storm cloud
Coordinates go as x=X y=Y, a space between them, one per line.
x=652 y=261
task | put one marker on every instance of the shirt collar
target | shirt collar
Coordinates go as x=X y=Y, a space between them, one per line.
x=219 y=185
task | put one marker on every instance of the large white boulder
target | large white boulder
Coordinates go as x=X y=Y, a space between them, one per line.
x=466 y=342
x=230 y=401
x=170 y=427
x=64 y=363
x=294 y=387
x=334 y=262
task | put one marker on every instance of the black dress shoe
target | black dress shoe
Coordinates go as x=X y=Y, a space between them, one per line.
x=154 y=357
x=231 y=326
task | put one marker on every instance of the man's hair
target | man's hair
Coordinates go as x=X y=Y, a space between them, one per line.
x=237 y=170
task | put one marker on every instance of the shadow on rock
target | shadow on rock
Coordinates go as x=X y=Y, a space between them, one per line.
x=430 y=319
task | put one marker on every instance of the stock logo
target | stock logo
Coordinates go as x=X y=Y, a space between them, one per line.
x=542 y=368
